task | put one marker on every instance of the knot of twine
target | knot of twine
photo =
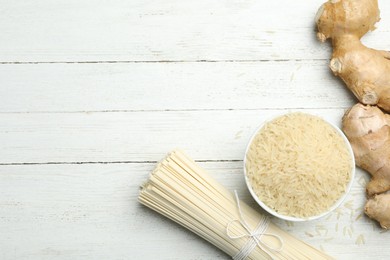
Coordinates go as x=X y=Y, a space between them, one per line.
x=253 y=235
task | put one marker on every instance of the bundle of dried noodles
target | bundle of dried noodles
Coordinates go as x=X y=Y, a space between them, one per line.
x=182 y=191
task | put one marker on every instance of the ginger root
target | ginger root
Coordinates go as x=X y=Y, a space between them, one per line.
x=368 y=130
x=365 y=71
x=379 y=208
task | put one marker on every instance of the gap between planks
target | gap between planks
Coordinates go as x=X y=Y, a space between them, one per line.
x=156 y=61
x=165 y=110
x=109 y=162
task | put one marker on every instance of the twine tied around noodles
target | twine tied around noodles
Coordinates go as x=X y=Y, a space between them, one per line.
x=253 y=235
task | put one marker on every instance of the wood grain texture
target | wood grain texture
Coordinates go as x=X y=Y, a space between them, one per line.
x=93 y=93
x=170 y=86
x=91 y=212
x=139 y=30
x=132 y=136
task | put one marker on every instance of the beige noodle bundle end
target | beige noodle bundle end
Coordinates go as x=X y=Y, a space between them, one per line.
x=182 y=191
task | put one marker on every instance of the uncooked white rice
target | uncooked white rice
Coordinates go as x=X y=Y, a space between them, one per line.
x=298 y=165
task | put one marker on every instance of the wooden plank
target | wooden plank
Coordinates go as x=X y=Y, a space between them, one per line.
x=132 y=136
x=170 y=86
x=138 y=30
x=90 y=211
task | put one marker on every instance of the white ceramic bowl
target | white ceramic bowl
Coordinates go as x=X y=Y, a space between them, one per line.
x=290 y=218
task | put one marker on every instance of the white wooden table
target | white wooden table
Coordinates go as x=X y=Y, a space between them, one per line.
x=93 y=93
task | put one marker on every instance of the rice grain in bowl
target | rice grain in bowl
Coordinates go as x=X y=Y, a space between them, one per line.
x=299 y=167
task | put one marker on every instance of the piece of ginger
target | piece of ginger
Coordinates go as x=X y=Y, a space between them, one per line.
x=365 y=71
x=379 y=208
x=368 y=130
